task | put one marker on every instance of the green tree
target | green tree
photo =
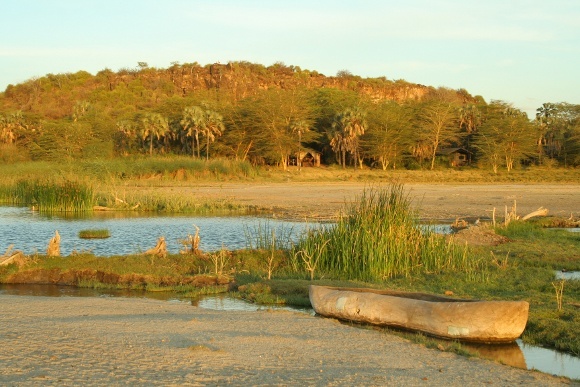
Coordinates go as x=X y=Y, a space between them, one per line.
x=438 y=127
x=154 y=126
x=299 y=127
x=269 y=115
x=193 y=121
x=505 y=137
x=348 y=126
x=214 y=126
x=469 y=120
x=388 y=134
x=557 y=125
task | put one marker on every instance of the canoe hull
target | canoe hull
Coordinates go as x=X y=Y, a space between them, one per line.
x=465 y=320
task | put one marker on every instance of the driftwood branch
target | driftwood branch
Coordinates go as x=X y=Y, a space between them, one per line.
x=10 y=256
x=539 y=212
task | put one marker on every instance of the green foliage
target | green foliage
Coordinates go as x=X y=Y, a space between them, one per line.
x=47 y=196
x=253 y=107
x=380 y=238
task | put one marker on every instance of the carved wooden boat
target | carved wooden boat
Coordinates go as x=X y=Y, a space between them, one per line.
x=450 y=318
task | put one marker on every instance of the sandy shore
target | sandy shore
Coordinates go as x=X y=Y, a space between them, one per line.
x=119 y=341
x=324 y=200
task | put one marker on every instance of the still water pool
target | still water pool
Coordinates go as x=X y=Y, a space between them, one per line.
x=30 y=231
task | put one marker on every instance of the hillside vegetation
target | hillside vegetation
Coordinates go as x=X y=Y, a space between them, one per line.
x=277 y=115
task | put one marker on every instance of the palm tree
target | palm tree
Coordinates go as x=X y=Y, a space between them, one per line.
x=154 y=125
x=339 y=146
x=349 y=126
x=470 y=119
x=300 y=127
x=214 y=126
x=194 y=119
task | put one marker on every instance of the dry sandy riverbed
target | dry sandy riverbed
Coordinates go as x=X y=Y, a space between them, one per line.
x=433 y=201
x=117 y=341
x=120 y=341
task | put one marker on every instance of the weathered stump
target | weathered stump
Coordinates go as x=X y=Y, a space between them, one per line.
x=53 y=249
x=160 y=249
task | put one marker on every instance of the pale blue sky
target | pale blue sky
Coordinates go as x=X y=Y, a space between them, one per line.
x=525 y=52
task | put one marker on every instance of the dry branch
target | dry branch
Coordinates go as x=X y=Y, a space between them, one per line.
x=539 y=212
x=191 y=243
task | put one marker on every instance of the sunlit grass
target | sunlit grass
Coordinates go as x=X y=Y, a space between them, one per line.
x=50 y=196
x=94 y=234
x=380 y=238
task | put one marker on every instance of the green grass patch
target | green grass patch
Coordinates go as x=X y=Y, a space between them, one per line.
x=535 y=246
x=94 y=234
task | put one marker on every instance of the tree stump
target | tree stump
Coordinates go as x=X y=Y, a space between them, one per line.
x=53 y=249
x=160 y=249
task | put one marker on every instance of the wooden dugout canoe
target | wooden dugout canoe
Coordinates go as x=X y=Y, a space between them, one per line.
x=450 y=318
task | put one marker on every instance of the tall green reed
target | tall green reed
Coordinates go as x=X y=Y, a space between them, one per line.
x=47 y=196
x=379 y=238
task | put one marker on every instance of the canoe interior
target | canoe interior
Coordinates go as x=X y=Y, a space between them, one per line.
x=410 y=295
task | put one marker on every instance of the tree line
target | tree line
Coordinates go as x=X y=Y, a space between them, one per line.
x=274 y=116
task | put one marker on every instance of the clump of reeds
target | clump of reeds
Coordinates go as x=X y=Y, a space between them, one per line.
x=67 y=196
x=380 y=237
x=94 y=234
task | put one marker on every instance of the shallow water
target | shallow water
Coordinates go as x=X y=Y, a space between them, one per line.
x=30 y=231
x=568 y=275
x=516 y=354
x=133 y=233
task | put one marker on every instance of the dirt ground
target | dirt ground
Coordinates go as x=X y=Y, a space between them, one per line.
x=116 y=341
x=71 y=341
x=433 y=201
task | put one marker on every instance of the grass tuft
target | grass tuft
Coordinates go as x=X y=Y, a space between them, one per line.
x=94 y=234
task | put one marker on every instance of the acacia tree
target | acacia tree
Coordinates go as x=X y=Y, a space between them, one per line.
x=438 y=127
x=389 y=133
x=505 y=136
x=154 y=126
x=237 y=141
x=269 y=114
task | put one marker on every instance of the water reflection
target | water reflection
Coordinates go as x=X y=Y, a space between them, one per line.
x=510 y=354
